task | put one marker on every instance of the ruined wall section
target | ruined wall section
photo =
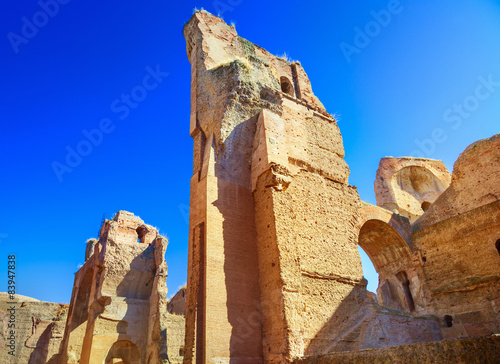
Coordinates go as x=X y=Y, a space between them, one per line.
x=408 y=186
x=175 y=338
x=232 y=81
x=471 y=350
x=39 y=328
x=458 y=240
x=177 y=304
x=118 y=305
x=270 y=190
x=461 y=270
x=474 y=183
x=313 y=293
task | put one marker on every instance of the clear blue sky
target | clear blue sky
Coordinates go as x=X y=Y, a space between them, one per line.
x=393 y=90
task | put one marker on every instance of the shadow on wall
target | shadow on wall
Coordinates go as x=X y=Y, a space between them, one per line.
x=39 y=355
x=125 y=351
x=236 y=205
x=371 y=325
x=382 y=238
x=136 y=284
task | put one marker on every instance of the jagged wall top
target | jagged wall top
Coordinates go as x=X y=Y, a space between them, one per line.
x=221 y=45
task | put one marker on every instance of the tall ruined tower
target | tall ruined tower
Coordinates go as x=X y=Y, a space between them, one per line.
x=274 y=271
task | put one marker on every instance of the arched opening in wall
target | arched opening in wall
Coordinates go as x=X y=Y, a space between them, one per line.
x=369 y=272
x=286 y=86
x=141 y=234
x=497 y=245
x=425 y=205
x=123 y=351
x=387 y=250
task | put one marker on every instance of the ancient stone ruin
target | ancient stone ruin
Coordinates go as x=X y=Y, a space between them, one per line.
x=39 y=329
x=274 y=273
x=118 y=310
x=118 y=306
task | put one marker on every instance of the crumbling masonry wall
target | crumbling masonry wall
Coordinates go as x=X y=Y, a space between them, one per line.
x=39 y=328
x=459 y=239
x=273 y=267
x=450 y=254
x=118 y=306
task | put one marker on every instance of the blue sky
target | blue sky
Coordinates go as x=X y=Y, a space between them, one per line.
x=403 y=77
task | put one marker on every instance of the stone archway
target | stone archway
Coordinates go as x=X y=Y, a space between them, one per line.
x=383 y=244
x=123 y=352
x=385 y=238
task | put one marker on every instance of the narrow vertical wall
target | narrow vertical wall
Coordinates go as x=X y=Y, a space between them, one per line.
x=223 y=296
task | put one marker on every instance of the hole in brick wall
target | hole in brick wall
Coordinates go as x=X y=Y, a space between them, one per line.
x=448 y=321
x=286 y=86
x=181 y=351
x=497 y=245
x=425 y=205
x=141 y=234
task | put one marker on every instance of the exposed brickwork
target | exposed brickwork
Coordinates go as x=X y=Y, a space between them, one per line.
x=481 y=350
x=274 y=271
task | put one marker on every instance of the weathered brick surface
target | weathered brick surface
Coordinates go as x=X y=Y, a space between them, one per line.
x=39 y=328
x=274 y=271
x=480 y=350
x=474 y=184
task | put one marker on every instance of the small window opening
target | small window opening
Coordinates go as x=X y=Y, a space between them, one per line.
x=497 y=245
x=448 y=321
x=425 y=205
x=286 y=86
x=181 y=351
x=141 y=234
